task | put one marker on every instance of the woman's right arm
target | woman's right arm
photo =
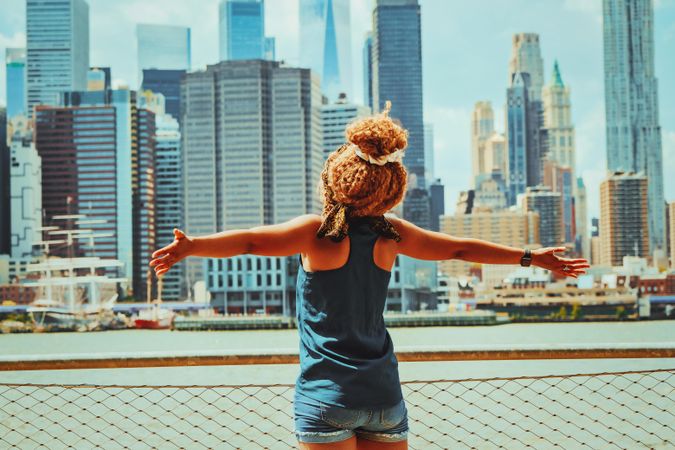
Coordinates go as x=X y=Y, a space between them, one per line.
x=419 y=243
x=284 y=239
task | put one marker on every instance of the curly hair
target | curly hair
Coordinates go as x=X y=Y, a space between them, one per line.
x=352 y=187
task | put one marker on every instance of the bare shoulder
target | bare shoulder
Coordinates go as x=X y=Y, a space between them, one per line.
x=304 y=223
x=310 y=221
x=286 y=238
x=307 y=224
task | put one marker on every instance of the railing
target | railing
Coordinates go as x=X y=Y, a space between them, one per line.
x=629 y=409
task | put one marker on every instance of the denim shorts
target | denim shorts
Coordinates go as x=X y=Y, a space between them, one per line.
x=316 y=422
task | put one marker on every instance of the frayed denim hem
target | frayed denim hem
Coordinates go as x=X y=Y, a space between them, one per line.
x=315 y=437
x=382 y=437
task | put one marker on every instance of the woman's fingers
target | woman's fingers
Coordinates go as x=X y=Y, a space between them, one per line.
x=162 y=259
x=162 y=269
x=573 y=260
x=168 y=249
x=556 y=250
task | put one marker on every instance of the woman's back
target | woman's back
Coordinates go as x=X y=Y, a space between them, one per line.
x=346 y=354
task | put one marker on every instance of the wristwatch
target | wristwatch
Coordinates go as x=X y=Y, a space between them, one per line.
x=526 y=259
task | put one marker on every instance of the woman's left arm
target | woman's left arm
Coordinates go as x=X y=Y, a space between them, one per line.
x=284 y=239
x=419 y=243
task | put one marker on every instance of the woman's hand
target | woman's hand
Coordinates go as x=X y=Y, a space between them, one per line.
x=166 y=257
x=570 y=267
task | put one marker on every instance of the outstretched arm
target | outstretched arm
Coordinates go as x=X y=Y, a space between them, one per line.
x=283 y=239
x=419 y=243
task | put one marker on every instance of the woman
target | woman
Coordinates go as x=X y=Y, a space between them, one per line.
x=348 y=394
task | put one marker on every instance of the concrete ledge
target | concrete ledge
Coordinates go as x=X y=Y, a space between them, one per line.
x=290 y=356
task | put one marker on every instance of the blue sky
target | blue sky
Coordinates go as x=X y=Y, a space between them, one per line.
x=466 y=47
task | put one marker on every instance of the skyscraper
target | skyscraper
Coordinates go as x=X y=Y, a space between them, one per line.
x=241 y=29
x=163 y=47
x=482 y=127
x=15 y=60
x=57 y=52
x=325 y=44
x=631 y=102
x=558 y=121
x=517 y=132
x=81 y=176
x=437 y=193
x=169 y=197
x=5 y=205
x=581 y=217
x=526 y=58
x=561 y=180
x=417 y=207
x=334 y=119
x=169 y=186
x=595 y=241
x=496 y=155
x=548 y=204
x=144 y=195
x=368 y=70
x=490 y=192
x=623 y=218
x=26 y=188
x=397 y=74
x=167 y=83
x=96 y=153
x=258 y=158
x=526 y=68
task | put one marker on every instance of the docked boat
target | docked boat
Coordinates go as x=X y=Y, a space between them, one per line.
x=154 y=317
x=70 y=289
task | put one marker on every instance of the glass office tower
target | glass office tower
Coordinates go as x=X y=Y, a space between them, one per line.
x=242 y=30
x=57 y=54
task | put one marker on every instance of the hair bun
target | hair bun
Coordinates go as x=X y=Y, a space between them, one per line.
x=377 y=135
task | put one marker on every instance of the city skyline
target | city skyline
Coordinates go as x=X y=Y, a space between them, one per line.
x=451 y=88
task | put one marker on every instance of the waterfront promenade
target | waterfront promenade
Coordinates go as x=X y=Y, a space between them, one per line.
x=622 y=409
x=593 y=401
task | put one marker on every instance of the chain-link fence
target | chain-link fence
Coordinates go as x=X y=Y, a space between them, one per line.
x=608 y=410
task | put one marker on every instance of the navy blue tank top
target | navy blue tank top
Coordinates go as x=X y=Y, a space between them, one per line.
x=346 y=354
